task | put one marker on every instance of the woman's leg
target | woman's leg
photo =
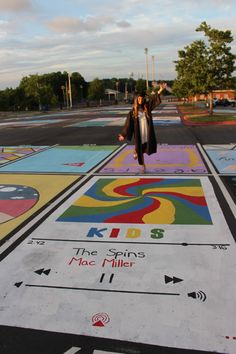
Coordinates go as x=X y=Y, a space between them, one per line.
x=141 y=160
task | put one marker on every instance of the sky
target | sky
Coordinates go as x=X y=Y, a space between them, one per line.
x=103 y=38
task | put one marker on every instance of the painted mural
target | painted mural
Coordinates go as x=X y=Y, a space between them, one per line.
x=128 y=281
x=12 y=153
x=179 y=159
x=62 y=159
x=141 y=201
x=223 y=157
x=23 y=195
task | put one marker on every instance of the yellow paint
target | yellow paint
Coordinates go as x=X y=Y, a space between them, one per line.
x=88 y=202
x=118 y=162
x=230 y=168
x=133 y=233
x=165 y=214
x=109 y=189
x=194 y=159
x=191 y=191
x=48 y=186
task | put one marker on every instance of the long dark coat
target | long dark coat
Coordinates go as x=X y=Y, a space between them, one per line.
x=131 y=128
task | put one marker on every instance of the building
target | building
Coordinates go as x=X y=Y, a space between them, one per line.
x=219 y=94
x=112 y=95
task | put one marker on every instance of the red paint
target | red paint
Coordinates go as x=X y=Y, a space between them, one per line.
x=15 y=208
x=98 y=324
x=141 y=182
x=194 y=200
x=114 y=233
x=135 y=216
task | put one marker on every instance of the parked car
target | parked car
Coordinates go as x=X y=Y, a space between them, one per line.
x=232 y=102
x=223 y=102
x=214 y=102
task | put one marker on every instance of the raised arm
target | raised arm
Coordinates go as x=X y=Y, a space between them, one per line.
x=154 y=98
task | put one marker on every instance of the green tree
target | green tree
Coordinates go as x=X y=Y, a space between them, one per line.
x=96 y=90
x=33 y=90
x=78 y=87
x=203 y=67
x=140 y=86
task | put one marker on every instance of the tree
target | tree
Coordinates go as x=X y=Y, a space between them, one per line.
x=96 y=90
x=202 y=67
x=78 y=87
x=140 y=86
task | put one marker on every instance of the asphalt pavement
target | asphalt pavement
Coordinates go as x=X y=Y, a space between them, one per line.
x=64 y=128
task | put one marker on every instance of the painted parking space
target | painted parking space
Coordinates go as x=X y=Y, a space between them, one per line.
x=168 y=159
x=167 y=120
x=100 y=122
x=30 y=123
x=129 y=263
x=21 y=196
x=104 y=122
x=12 y=153
x=161 y=116
x=62 y=159
x=223 y=157
x=77 y=272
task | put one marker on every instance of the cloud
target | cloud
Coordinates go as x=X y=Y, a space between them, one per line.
x=98 y=39
x=15 y=5
x=123 y=24
x=75 y=25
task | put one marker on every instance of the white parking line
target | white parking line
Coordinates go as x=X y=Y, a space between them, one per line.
x=73 y=350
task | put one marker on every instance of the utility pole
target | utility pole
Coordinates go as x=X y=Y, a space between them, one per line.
x=67 y=94
x=126 y=91
x=146 y=52
x=117 y=90
x=69 y=90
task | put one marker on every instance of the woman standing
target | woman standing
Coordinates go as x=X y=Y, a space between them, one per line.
x=139 y=123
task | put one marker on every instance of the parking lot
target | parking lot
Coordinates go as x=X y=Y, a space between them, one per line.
x=99 y=258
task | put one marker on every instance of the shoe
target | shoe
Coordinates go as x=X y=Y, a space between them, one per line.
x=143 y=168
x=135 y=155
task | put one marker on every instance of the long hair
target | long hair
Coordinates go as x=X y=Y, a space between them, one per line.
x=137 y=106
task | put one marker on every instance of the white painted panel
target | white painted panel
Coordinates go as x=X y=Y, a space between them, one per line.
x=154 y=291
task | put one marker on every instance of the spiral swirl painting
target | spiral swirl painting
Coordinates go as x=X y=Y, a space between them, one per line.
x=141 y=201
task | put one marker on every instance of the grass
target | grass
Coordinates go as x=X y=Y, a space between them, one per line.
x=198 y=115
x=213 y=118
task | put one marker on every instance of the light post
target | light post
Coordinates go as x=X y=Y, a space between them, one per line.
x=146 y=52
x=117 y=91
x=126 y=91
x=67 y=94
x=69 y=90
x=131 y=76
x=153 y=67
x=39 y=98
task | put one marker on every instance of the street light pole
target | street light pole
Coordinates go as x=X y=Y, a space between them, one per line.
x=69 y=90
x=153 y=67
x=67 y=94
x=146 y=52
x=126 y=91
x=117 y=90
